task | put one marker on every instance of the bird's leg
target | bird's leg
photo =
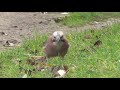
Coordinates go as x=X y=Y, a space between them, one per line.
x=62 y=57
x=58 y=54
x=62 y=60
x=46 y=58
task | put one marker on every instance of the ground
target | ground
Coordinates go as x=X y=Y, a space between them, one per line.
x=91 y=53
x=20 y=25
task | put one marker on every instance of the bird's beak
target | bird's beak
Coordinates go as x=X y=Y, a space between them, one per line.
x=57 y=38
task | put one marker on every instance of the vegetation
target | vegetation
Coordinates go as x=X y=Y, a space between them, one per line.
x=82 y=18
x=92 y=53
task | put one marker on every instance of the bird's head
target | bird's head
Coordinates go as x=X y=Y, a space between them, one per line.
x=58 y=36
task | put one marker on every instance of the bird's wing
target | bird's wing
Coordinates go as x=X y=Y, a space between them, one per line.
x=64 y=48
x=50 y=49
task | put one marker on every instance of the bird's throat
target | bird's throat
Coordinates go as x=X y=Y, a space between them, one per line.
x=58 y=45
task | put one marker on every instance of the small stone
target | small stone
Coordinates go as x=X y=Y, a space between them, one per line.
x=24 y=76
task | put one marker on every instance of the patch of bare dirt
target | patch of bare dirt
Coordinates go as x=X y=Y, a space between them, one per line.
x=16 y=26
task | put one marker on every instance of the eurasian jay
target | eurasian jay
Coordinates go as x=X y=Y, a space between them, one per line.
x=56 y=45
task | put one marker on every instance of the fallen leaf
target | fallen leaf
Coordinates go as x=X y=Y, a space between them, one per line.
x=14 y=26
x=88 y=37
x=8 y=44
x=59 y=71
x=98 y=43
x=3 y=33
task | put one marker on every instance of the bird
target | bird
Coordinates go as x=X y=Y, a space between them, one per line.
x=56 y=45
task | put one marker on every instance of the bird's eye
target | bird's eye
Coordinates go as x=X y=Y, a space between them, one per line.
x=54 y=37
x=61 y=37
x=53 y=40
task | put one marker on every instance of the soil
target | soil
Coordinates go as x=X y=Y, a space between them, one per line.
x=16 y=26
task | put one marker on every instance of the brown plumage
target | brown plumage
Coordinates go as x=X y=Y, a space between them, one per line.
x=56 y=45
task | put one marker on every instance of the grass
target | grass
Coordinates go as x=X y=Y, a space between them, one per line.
x=84 y=59
x=82 y=18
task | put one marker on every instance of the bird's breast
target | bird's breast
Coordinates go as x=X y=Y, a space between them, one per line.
x=58 y=45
